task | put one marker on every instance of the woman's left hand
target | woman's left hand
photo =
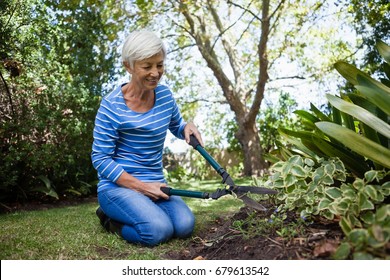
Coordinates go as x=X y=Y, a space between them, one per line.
x=190 y=129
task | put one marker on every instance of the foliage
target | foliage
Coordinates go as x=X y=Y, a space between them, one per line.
x=356 y=129
x=371 y=20
x=270 y=119
x=55 y=58
x=338 y=167
x=327 y=190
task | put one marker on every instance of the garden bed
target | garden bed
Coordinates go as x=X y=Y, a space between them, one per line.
x=222 y=241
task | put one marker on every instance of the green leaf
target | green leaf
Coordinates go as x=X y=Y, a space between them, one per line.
x=384 y=50
x=306 y=139
x=309 y=162
x=366 y=104
x=296 y=160
x=370 y=175
x=328 y=180
x=348 y=121
x=344 y=204
x=358 y=237
x=342 y=251
x=377 y=97
x=351 y=194
x=328 y=215
x=47 y=189
x=336 y=116
x=290 y=180
x=371 y=192
x=333 y=207
x=318 y=113
x=368 y=218
x=298 y=171
x=306 y=116
x=386 y=69
x=330 y=168
x=333 y=192
x=362 y=256
x=360 y=114
x=358 y=184
x=376 y=92
x=355 y=221
x=365 y=203
x=324 y=203
x=353 y=162
x=348 y=71
x=357 y=143
x=345 y=225
x=382 y=213
x=377 y=232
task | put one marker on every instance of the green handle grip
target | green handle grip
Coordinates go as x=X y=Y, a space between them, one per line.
x=194 y=194
x=196 y=145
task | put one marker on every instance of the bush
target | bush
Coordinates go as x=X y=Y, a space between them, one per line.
x=338 y=166
x=46 y=140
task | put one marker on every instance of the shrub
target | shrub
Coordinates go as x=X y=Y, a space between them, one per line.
x=338 y=166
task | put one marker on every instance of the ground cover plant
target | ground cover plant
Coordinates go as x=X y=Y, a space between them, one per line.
x=338 y=165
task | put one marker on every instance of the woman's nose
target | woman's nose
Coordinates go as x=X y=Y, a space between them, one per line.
x=154 y=72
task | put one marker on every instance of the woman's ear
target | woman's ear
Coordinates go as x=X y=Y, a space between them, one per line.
x=127 y=66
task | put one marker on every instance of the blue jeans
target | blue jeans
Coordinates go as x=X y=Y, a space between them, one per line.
x=145 y=221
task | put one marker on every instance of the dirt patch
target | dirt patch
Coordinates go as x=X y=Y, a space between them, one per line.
x=222 y=241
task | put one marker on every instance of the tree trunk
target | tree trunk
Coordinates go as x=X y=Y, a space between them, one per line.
x=235 y=95
x=249 y=139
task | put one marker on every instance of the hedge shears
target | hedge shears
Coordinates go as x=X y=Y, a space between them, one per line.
x=230 y=187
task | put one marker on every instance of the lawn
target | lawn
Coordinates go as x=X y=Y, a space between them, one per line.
x=74 y=232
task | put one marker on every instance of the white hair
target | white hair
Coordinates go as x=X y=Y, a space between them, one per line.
x=140 y=45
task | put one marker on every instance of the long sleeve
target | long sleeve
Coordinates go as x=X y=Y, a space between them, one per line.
x=105 y=136
x=177 y=124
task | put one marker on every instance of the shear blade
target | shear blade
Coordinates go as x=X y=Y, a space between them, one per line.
x=251 y=203
x=251 y=189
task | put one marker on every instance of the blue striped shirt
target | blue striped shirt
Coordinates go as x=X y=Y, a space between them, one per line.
x=125 y=140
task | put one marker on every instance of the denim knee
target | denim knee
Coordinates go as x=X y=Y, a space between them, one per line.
x=158 y=232
x=185 y=227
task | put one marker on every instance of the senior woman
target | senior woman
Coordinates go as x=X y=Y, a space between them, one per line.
x=130 y=129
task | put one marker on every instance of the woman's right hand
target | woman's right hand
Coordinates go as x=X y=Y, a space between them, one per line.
x=153 y=190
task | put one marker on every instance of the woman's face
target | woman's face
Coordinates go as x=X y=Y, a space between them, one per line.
x=147 y=73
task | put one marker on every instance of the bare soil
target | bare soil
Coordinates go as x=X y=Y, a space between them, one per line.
x=221 y=241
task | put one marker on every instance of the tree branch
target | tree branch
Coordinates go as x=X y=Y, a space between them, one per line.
x=182 y=48
x=263 y=67
x=204 y=46
x=245 y=9
x=8 y=93
x=181 y=100
x=233 y=59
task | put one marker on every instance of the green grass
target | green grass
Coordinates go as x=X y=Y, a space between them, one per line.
x=74 y=232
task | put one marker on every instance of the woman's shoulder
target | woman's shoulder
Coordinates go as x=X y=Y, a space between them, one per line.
x=163 y=89
x=114 y=95
x=113 y=102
